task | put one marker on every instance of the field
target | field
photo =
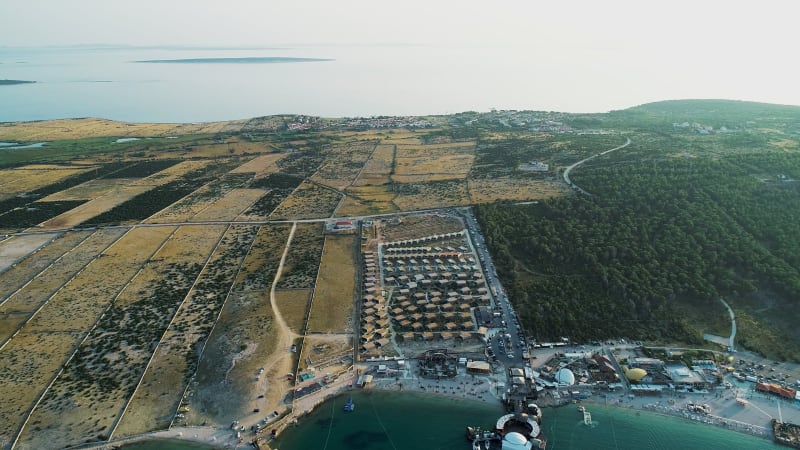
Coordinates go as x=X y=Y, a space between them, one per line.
x=378 y=168
x=53 y=130
x=435 y=162
x=31 y=266
x=343 y=163
x=262 y=165
x=17 y=247
x=308 y=201
x=483 y=190
x=433 y=194
x=229 y=206
x=172 y=366
x=35 y=355
x=117 y=350
x=332 y=305
x=293 y=306
x=302 y=262
x=28 y=297
x=24 y=179
x=116 y=196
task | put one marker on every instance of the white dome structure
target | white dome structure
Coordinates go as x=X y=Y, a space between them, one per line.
x=516 y=441
x=565 y=377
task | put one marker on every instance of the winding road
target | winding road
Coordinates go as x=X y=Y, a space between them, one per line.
x=569 y=169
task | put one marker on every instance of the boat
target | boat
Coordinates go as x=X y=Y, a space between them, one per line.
x=512 y=432
x=581 y=408
x=350 y=406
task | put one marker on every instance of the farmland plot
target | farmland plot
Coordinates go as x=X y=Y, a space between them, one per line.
x=332 y=306
x=228 y=381
x=34 y=263
x=35 y=355
x=229 y=206
x=308 y=201
x=261 y=166
x=302 y=261
x=155 y=402
x=378 y=167
x=24 y=179
x=75 y=216
x=432 y=194
x=433 y=162
x=343 y=163
x=487 y=190
x=16 y=248
x=88 y=396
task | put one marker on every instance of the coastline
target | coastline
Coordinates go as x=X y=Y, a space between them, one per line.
x=459 y=389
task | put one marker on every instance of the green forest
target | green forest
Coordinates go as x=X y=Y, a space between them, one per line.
x=671 y=224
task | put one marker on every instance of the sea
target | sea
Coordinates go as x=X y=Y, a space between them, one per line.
x=399 y=421
x=212 y=84
x=405 y=421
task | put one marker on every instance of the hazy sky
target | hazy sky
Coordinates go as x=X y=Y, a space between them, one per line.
x=731 y=49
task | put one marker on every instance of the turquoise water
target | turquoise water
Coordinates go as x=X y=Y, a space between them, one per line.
x=166 y=444
x=392 y=421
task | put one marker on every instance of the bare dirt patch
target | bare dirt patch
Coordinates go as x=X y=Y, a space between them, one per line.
x=15 y=248
x=17 y=308
x=32 y=265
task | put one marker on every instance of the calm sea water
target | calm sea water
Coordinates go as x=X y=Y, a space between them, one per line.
x=392 y=421
x=360 y=81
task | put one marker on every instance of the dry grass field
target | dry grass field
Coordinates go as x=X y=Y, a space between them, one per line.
x=308 y=201
x=172 y=173
x=89 y=190
x=262 y=165
x=417 y=226
x=364 y=200
x=378 y=167
x=343 y=162
x=33 y=264
x=16 y=248
x=229 y=206
x=433 y=162
x=117 y=195
x=24 y=301
x=156 y=400
x=45 y=342
x=86 y=399
x=434 y=194
x=293 y=306
x=53 y=130
x=487 y=190
x=332 y=305
x=302 y=261
x=20 y=180
x=232 y=147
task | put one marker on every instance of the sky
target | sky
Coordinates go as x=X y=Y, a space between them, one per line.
x=721 y=46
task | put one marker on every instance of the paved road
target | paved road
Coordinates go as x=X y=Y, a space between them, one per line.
x=569 y=169
x=510 y=329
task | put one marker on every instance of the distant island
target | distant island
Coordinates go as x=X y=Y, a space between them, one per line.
x=10 y=82
x=250 y=60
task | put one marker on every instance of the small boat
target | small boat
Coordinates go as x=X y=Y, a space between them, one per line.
x=581 y=408
x=350 y=406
